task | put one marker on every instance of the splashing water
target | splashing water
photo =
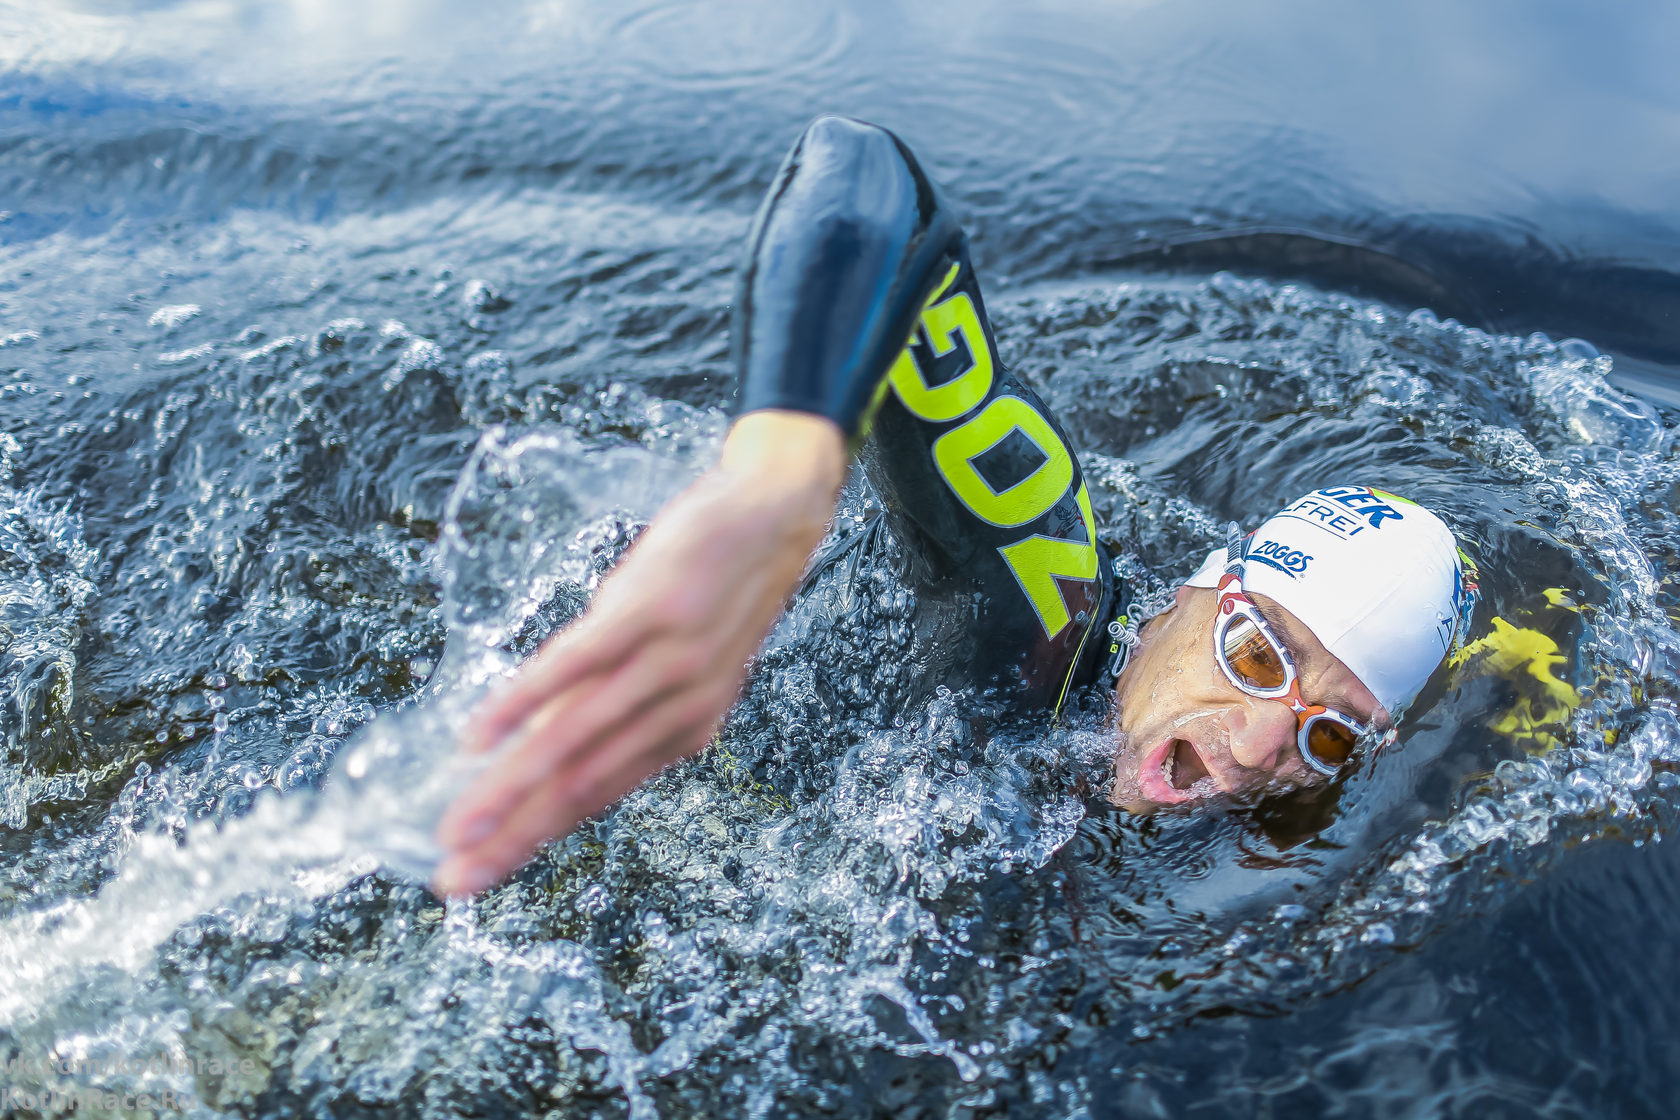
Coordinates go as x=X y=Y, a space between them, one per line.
x=511 y=524
x=857 y=897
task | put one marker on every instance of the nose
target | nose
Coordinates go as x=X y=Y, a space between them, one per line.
x=1262 y=733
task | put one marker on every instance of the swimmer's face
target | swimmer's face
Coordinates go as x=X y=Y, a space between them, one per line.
x=1186 y=734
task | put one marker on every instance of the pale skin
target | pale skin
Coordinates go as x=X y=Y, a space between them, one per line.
x=644 y=678
x=1186 y=733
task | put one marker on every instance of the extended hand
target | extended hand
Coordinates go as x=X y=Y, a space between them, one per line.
x=644 y=677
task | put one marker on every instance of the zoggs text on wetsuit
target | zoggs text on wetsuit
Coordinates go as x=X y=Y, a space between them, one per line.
x=858 y=303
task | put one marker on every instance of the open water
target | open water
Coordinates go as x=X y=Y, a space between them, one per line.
x=342 y=352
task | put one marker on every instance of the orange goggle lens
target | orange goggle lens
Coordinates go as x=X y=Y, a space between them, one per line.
x=1331 y=742
x=1252 y=657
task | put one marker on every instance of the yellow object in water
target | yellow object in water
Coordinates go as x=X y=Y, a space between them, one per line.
x=1525 y=656
x=1558 y=597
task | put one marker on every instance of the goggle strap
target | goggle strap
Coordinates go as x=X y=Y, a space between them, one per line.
x=1233 y=548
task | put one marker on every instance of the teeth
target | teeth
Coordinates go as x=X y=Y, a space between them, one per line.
x=1183 y=767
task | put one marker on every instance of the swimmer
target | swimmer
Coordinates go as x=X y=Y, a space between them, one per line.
x=859 y=329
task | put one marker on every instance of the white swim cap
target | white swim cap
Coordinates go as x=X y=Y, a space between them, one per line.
x=1376 y=578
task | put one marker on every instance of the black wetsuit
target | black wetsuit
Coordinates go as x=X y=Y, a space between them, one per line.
x=858 y=302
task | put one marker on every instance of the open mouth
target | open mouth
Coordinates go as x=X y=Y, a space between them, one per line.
x=1172 y=772
x=1183 y=766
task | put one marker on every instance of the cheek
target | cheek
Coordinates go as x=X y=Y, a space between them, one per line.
x=1184 y=662
x=1289 y=779
x=1163 y=678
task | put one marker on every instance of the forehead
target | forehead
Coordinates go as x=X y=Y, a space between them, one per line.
x=1331 y=682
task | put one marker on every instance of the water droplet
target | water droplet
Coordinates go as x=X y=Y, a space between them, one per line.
x=1378 y=933
x=479 y=295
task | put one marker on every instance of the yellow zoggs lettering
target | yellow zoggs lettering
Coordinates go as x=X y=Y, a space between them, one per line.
x=1038 y=560
x=943 y=323
x=1032 y=497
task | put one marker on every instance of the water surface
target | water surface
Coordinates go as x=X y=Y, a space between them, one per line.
x=341 y=354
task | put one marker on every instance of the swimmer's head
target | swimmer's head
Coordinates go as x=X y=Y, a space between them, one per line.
x=1365 y=590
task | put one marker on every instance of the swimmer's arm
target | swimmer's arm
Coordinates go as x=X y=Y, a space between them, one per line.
x=848 y=245
x=645 y=676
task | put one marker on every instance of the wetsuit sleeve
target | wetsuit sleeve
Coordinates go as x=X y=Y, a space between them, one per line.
x=858 y=302
x=843 y=250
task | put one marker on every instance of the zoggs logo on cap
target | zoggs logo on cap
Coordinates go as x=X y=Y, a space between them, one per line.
x=1275 y=554
x=1346 y=511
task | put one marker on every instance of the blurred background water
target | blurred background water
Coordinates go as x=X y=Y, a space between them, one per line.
x=342 y=349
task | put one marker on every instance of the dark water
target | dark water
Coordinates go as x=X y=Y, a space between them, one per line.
x=340 y=351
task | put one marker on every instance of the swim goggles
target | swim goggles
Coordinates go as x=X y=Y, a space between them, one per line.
x=1254 y=660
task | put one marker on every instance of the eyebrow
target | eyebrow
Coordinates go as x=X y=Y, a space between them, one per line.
x=1283 y=628
x=1289 y=633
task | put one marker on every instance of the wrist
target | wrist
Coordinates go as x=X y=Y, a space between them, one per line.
x=793 y=462
x=793 y=451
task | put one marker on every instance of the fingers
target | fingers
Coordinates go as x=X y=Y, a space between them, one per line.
x=646 y=598
x=571 y=722
x=588 y=648
x=560 y=801
x=516 y=837
x=691 y=717
x=584 y=722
